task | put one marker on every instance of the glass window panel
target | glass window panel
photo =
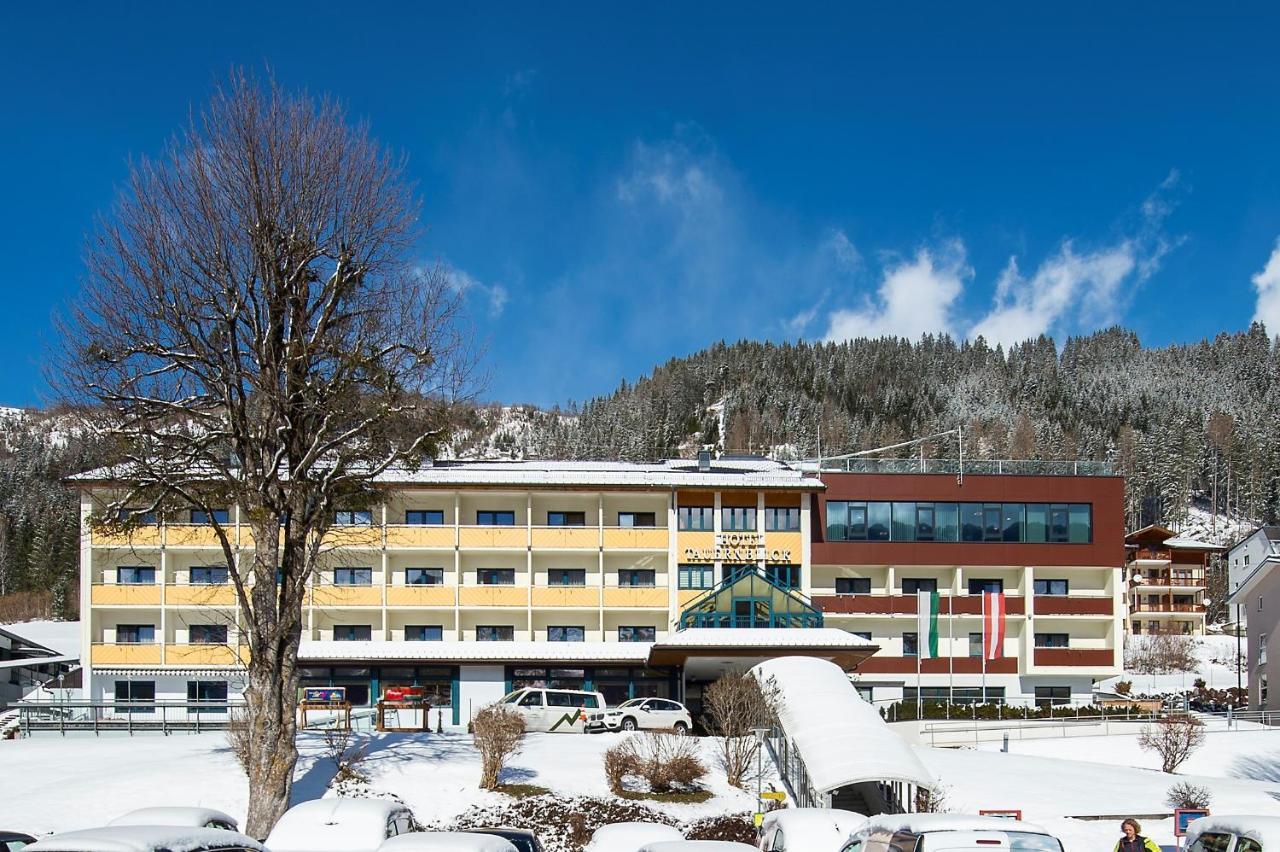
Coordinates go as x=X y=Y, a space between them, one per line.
x=1037 y=523
x=637 y=519
x=497 y=576
x=915 y=585
x=352 y=517
x=352 y=632
x=566 y=519
x=200 y=516
x=421 y=633
x=495 y=633
x=909 y=645
x=926 y=524
x=837 y=520
x=207 y=634
x=857 y=522
x=567 y=577
x=490 y=518
x=640 y=577
x=1014 y=519
x=992 y=522
x=1058 y=522
x=1052 y=640
x=978 y=585
x=423 y=576
x=696 y=576
x=135 y=634
x=209 y=575
x=1081 y=530
x=635 y=634
x=738 y=519
x=566 y=634
x=946 y=519
x=904 y=521
x=879 y=520
x=353 y=576
x=424 y=517
x=135 y=575
x=696 y=518
x=971 y=522
x=853 y=585
x=1050 y=587
x=781 y=519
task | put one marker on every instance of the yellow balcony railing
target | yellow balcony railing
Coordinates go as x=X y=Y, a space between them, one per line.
x=347 y=596
x=205 y=655
x=136 y=537
x=566 y=538
x=421 y=595
x=421 y=536
x=361 y=536
x=509 y=596
x=635 y=538
x=111 y=654
x=636 y=597
x=183 y=535
x=557 y=596
x=510 y=537
x=200 y=595
x=124 y=595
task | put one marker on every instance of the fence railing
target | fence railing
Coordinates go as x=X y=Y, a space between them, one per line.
x=125 y=716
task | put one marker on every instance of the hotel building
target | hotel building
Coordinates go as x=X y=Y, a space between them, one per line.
x=472 y=578
x=1167 y=582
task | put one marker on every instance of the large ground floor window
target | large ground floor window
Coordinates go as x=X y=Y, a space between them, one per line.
x=615 y=684
x=958 y=694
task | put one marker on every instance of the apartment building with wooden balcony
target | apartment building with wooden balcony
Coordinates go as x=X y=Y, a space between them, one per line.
x=1048 y=535
x=1165 y=574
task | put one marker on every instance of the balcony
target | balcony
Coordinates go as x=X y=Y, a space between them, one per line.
x=149 y=536
x=408 y=536
x=1153 y=554
x=205 y=655
x=1092 y=658
x=635 y=538
x=355 y=536
x=1154 y=580
x=566 y=596
x=187 y=535
x=506 y=538
x=636 y=597
x=106 y=594
x=494 y=596
x=1069 y=605
x=880 y=664
x=421 y=595
x=200 y=595
x=566 y=538
x=1165 y=607
x=906 y=604
x=340 y=596
x=112 y=654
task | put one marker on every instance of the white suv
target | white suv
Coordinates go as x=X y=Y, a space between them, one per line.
x=649 y=714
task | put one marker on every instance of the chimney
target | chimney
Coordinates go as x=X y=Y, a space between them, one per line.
x=704 y=461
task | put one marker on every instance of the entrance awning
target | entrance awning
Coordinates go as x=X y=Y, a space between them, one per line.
x=720 y=648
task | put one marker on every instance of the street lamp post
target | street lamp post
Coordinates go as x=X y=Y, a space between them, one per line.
x=760 y=734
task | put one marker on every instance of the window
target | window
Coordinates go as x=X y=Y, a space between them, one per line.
x=207 y=692
x=637 y=519
x=926 y=528
x=1213 y=841
x=637 y=634
x=353 y=576
x=853 y=585
x=1048 y=695
x=423 y=633
x=200 y=516
x=1014 y=518
x=135 y=575
x=132 y=693
x=1262 y=649
x=1050 y=587
x=1059 y=523
x=781 y=519
x=879 y=521
x=910 y=644
x=424 y=517
x=971 y=522
x=696 y=576
x=566 y=519
x=423 y=576
x=992 y=522
x=904 y=521
x=209 y=575
x=353 y=517
x=489 y=518
x=1052 y=640
x=566 y=634
x=352 y=632
x=638 y=577
x=1081 y=525
x=1262 y=690
x=497 y=576
x=567 y=577
x=207 y=634
x=915 y=585
x=737 y=519
x=975 y=644
x=495 y=633
x=145 y=517
x=1259 y=603
x=786 y=576
x=135 y=634
x=979 y=585
x=696 y=518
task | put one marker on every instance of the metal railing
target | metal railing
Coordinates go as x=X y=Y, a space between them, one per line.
x=125 y=716
x=1012 y=467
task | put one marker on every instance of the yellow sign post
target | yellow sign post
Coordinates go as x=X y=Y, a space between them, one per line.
x=774 y=795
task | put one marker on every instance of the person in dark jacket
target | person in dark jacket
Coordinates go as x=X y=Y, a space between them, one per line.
x=1133 y=841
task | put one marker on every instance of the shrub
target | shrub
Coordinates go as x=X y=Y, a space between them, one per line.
x=735 y=704
x=497 y=733
x=665 y=762
x=1124 y=687
x=1184 y=794
x=1173 y=738
x=736 y=828
x=1161 y=653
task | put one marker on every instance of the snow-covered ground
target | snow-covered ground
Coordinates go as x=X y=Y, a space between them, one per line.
x=60 y=636
x=1214 y=652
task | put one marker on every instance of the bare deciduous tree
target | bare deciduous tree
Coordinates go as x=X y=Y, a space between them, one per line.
x=1161 y=653
x=497 y=732
x=251 y=333
x=1173 y=738
x=667 y=762
x=735 y=704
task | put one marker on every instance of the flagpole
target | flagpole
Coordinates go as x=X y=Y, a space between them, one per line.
x=920 y=646
x=951 y=652
x=985 y=638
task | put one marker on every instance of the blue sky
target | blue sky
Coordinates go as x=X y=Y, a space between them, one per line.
x=615 y=186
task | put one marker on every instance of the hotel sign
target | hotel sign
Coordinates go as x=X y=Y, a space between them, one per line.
x=739 y=548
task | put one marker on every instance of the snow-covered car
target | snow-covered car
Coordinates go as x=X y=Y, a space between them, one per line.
x=193 y=817
x=950 y=832
x=521 y=838
x=447 y=841
x=339 y=825
x=643 y=714
x=147 y=838
x=798 y=829
x=630 y=836
x=696 y=846
x=1234 y=834
x=557 y=711
x=15 y=841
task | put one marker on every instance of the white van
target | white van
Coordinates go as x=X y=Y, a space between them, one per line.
x=1234 y=834
x=938 y=832
x=559 y=711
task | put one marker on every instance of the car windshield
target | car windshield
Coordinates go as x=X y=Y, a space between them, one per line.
x=510 y=697
x=634 y=702
x=1028 y=841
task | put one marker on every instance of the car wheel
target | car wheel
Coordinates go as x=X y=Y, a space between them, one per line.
x=628 y=724
x=681 y=729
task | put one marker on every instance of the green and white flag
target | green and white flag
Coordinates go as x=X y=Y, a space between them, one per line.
x=927 y=625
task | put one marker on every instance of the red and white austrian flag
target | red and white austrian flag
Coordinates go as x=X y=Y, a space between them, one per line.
x=992 y=625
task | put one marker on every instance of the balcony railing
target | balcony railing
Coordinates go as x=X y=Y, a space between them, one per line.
x=1013 y=467
x=907 y=604
x=1104 y=658
x=1166 y=607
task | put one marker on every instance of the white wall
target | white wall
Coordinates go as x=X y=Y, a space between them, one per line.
x=478 y=686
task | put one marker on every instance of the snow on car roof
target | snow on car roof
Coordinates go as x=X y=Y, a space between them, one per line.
x=840 y=737
x=1263 y=829
x=630 y=836
x=697 y=846
x=173 y=816
x=145 y=838
x=447 y=841
x=814 y=828
x=332 y=825
x=946 y=822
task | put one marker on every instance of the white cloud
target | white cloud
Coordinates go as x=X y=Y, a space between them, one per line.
x=915 y=297
x=1267 y=283
x=494 y=295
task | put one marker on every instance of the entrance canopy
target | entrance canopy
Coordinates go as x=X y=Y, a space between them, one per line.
x=708 y=652
x=747 y=598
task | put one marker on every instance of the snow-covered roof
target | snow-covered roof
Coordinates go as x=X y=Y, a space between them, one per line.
x=333 y=825
x=23 y=662
x=1263 y=829
x=1182 y=542
x=945 y=822
x=447 y=841
x=145 y=838
x=629 y=836
x=62 y=637
x=636 y=652
x=194 y=817
x=841 y=738
x=763 y=637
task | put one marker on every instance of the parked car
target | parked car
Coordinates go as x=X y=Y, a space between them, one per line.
x=148 y=838
x=561 y=711
x=950 y=832
x=649 y=714
x=194 y=817
x=447 y=841
x=13 y=841
x=696 y=846
x=630 y=836
x=339 y=825
x=523 y=839
x=798 y=829
x=1234 y=834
